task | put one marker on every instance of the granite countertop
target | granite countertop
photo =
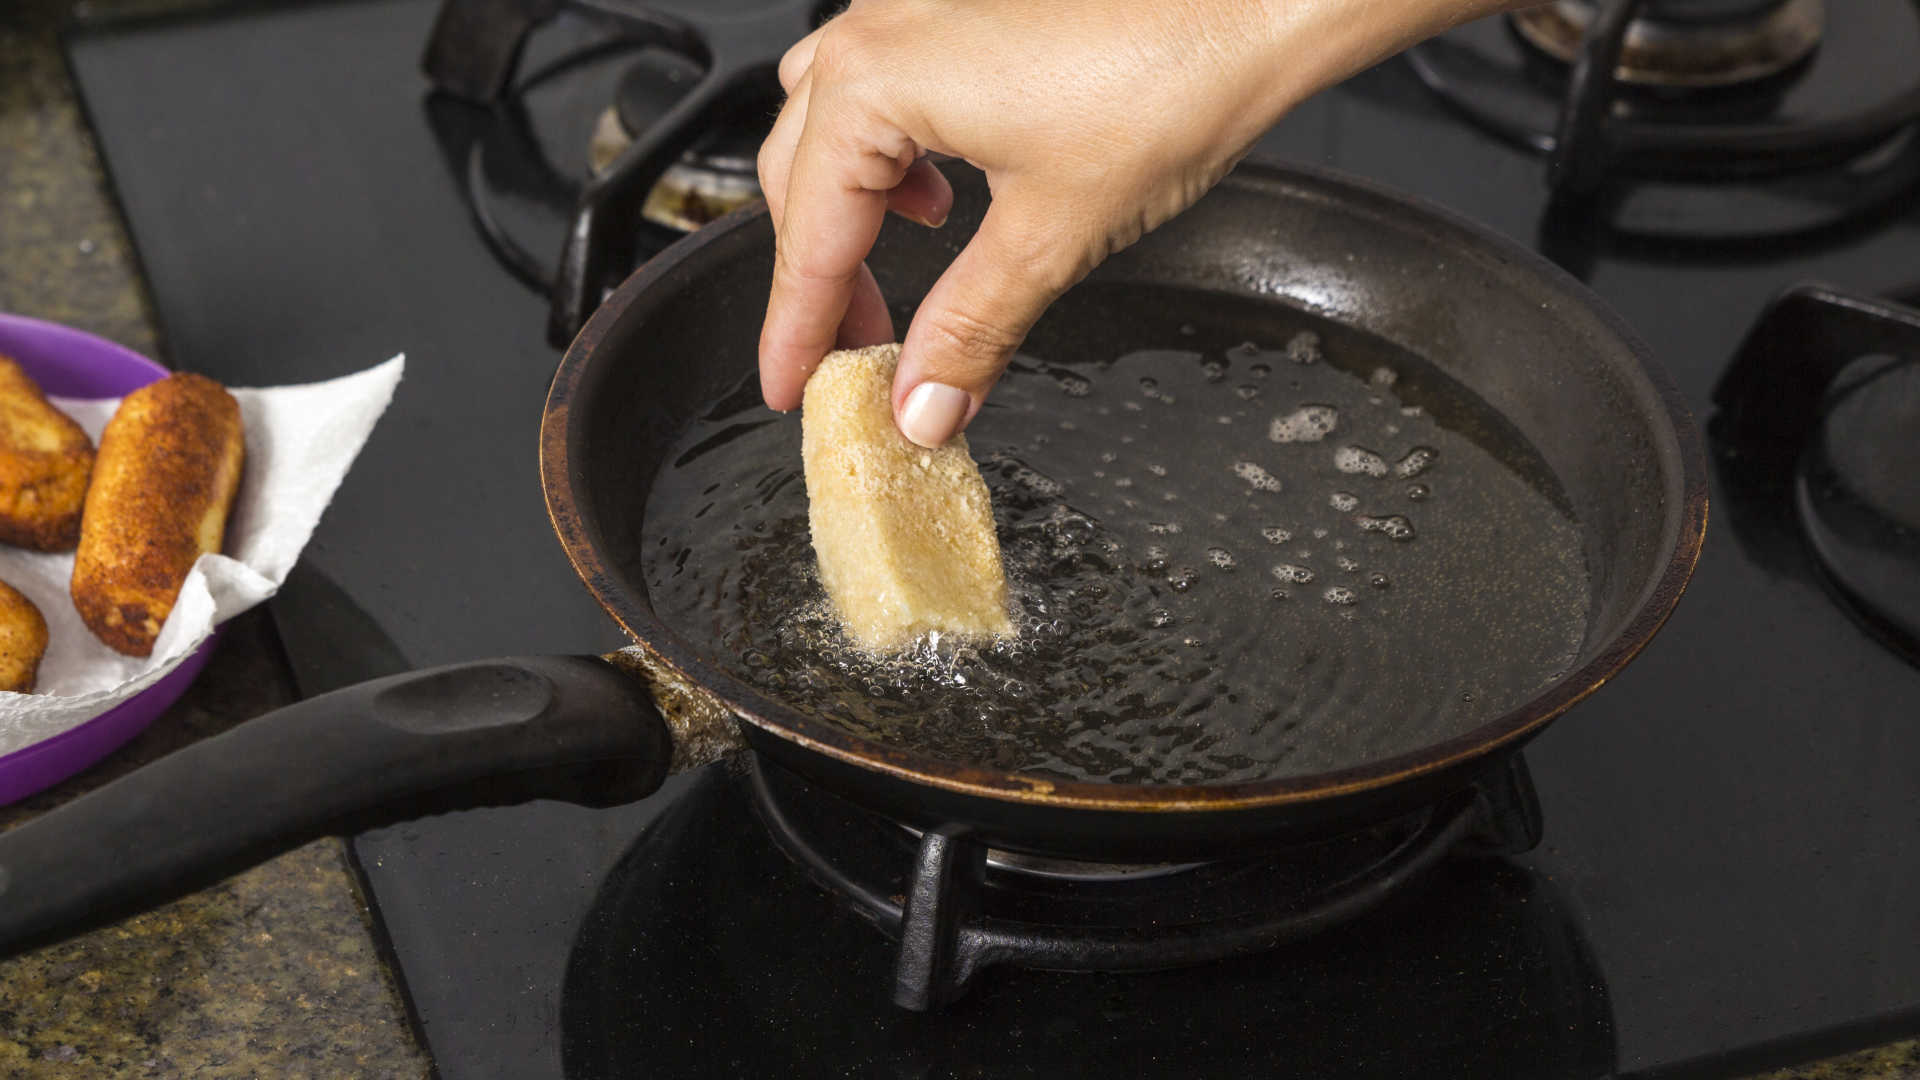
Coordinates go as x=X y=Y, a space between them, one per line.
x=273 y=973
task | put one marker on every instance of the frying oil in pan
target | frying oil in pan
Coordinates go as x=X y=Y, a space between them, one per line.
x=1230 y=563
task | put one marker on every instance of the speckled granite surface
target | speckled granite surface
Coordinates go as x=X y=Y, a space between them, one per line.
x=270 y=974
x=274 y=972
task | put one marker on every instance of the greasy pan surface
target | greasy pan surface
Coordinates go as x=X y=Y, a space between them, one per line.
x=1528 y=340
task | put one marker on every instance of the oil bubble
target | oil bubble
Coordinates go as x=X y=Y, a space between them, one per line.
x=1274 y=534
x=1032 y=479
x=1157 y=470
x=1340 y=594
x=1183 y=578
x=1393 y=527
x=1417 y=492
x=1260 y=371
x=1220 y=557
x=1308 y=423
x=1304 y=347
x=1378 y=580
x=1261 y=479
x=1244 y=350
x=1278 y=594
x=1247 y=391
x=1343 y=501
x=1415 y=462
x=1297 y=575
x=1072 y=385
x=1159 y=617
x=1346 y=564
x=1383 y=377
x=1359 y=461
x=1163 y=528
x=1214 y=370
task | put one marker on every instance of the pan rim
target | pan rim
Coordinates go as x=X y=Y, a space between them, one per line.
x=1683 y=534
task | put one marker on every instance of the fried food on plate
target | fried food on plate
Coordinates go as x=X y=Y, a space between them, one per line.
x=163 y=484
x=44 y=462
x=23 y=640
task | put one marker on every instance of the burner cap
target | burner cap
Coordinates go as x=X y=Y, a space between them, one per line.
x=1687 y=43
x=656 y=81
x=1858 y=497
x=717 y=174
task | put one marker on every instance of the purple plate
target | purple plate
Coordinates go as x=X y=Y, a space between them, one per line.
x=70 y=363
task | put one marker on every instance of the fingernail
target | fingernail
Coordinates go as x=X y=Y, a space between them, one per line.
x=932 y=414
x=931 y=223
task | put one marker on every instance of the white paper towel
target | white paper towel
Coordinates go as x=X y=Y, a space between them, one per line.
x=300 y=442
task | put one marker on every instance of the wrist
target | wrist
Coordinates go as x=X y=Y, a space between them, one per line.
x=1309 y=45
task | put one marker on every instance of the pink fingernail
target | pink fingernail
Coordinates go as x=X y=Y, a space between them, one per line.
x=932 y=413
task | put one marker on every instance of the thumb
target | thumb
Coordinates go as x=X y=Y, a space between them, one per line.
x=977 y=314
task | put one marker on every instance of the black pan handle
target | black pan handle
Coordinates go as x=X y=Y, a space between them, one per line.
x=489 y=733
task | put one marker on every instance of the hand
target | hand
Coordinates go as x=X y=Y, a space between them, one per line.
x=1094 y=121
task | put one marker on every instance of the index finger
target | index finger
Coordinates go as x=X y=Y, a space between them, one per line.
x=835 y=201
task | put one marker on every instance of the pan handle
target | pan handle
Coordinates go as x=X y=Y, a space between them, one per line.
x=488 y=733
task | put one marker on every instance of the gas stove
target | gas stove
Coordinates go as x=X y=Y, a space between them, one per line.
x=1721 y=119
x=1719 y=873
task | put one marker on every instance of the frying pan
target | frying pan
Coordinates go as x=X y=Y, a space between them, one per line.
x=680 y=334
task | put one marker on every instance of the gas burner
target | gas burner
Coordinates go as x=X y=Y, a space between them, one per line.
x=1730 y=95
x=1686 y=44
x=697 y=90
x=707 y=951
x=956 y=906
x=714 y=176
x=1822 y=406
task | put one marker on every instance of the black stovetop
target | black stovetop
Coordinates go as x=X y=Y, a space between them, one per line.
x=1731 y=872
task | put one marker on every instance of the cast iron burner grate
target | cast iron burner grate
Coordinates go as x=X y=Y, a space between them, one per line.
x=1842 y=112
x=700 y=91
x=957 y=907
x=1820 y=413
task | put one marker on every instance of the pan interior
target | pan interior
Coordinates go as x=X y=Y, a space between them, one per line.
x=1246 y=542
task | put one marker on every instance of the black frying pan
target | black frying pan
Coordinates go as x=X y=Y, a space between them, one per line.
x=680 y=334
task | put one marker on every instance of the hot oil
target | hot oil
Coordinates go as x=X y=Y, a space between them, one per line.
x=1282 y=556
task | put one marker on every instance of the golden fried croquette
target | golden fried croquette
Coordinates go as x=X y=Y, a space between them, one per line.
x=23 y=640
x=45 y=460
x=164 y=481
